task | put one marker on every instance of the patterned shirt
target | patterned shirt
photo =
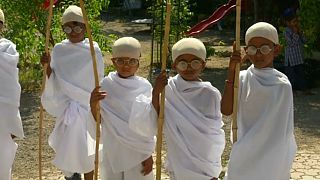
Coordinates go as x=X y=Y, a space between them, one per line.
x=294 y=47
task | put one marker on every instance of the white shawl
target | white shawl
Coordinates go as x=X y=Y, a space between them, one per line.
x=128 y=136
x=10 y=120
x=10 y=89
x=193 y=129
x=266 y=146
x=67 y=97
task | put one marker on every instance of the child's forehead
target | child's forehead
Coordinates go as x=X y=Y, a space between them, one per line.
x=73 y=23
x=187 y=57
x=124 y=58
x=295 y=19
x=258 y=41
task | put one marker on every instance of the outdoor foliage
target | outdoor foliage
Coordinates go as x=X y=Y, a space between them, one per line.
x=180 y=23
x=309 y=16
x=26 y=23
x=180 y=18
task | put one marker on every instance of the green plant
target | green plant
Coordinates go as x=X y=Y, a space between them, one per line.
x=180 y=18
x=210 y=51
x=309 y=16
x=109 y=69
x=225 y=53
x=26 y=23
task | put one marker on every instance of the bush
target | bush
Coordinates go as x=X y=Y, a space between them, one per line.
x=309 y=15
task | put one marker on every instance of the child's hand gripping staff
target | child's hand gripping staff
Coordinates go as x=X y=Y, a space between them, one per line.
x=236 y=76
x=96 y=113
x=162 y=101
x=45 y=62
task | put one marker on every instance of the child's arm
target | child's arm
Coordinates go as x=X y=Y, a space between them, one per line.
x=160 y=83
x=46 y=59
x=301 y=35
x=95 y=97
x=293 y=38
x=227 y=98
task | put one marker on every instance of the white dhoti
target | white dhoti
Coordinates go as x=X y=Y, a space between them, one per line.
x=67 y=97
x=266 y=145
x=10 y=120
x=7 y=154
x=133 y=173
x=128 y=136
x=193 y=129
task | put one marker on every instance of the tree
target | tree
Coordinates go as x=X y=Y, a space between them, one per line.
x=26 y=23
x=309 y=16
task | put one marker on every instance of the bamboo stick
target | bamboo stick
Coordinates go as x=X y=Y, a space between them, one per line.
x=43 y=84
x=96 y=79
x=234 y=125
x=162 y=100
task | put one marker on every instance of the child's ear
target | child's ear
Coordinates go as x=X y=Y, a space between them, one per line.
x=277 y=50
x=204 y=65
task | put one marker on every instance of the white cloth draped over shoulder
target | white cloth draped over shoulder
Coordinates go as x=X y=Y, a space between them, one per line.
x=128 y=122
x=193 y=129
x=10 y=120
x=266 y=145
x=67 y=97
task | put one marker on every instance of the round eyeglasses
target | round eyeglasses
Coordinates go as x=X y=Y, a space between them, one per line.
x=195 y=64
x=130 y=62
x=76 y=29
x=265 y=49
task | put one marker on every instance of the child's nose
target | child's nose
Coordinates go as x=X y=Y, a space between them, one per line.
x=259 y=52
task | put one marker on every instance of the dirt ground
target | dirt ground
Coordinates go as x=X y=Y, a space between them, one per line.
x=307 y=108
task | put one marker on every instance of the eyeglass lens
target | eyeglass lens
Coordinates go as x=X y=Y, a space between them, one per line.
x=76 y=29
x=130 y=62
x=265 y=49
x=194 y=64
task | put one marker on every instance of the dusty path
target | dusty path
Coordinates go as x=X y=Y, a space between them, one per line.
x=307 y=116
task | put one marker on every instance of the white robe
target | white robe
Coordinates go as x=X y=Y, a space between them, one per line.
x=266 y=145
x=193 y=129
x=66 y=97
x=127 y=135
x=10 y=120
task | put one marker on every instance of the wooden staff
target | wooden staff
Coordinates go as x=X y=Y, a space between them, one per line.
x=44 y=76
x=96 y=80
x=162 y=95
x=234 y=125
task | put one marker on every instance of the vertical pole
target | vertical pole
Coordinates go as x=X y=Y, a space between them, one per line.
x=43 y=84
x=154 y=2
x=96 y=80
x=234 y=125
